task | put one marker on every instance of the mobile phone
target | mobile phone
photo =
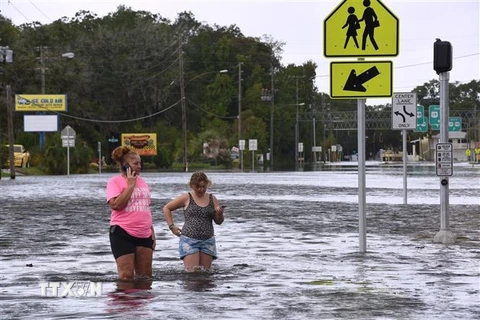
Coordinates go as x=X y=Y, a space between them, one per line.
x=125 y=167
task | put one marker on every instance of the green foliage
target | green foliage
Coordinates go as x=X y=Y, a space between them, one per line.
x=125 y=77
x=55 y=156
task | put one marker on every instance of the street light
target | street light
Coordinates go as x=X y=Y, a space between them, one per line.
x=67 y=55
x=184 y=109
x=203 y=74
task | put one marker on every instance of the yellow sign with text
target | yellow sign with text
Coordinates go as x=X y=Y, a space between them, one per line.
x=144 y=143
x=41 y=102
x=360 y=79
x=360 y=28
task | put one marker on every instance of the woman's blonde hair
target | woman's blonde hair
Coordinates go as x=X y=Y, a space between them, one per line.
x=198 y=177
x=120 y=153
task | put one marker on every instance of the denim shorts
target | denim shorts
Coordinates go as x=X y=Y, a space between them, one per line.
x=188 y=246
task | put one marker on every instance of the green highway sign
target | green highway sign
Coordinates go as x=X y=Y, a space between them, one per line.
x=434 y=117
x=455 y=124
x=421 y=120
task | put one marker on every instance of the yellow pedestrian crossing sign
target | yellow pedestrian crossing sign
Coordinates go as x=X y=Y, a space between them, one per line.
x=360 y=79
x=360 y=28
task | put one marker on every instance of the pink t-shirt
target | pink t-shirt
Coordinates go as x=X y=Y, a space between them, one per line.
x=136 y=217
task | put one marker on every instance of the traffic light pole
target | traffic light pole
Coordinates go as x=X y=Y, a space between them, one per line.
x=442 y=64
x=444 y=235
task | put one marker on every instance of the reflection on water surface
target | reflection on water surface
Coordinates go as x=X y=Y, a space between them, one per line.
x=287 y=250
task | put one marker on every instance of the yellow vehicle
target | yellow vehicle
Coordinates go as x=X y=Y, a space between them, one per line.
x=21 y=155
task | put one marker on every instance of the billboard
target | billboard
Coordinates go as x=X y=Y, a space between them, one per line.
x=144 y=143
x=40 y=123
x=40 y=102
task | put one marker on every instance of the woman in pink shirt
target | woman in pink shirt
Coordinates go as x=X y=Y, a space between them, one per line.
x=132 y=237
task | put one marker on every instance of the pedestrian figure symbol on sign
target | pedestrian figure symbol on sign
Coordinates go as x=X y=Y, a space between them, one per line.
x=371 y=22
x=353 y=24
x=367 y=21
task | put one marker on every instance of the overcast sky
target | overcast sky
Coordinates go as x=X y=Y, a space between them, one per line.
x=300 y=25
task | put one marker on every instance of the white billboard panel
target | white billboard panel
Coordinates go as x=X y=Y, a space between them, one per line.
x=40 y=123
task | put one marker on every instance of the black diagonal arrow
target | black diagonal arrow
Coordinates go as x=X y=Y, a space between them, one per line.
x=410 y=114
x=354 y=82
x=400 y=114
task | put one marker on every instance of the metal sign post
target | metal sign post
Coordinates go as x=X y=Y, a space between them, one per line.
x=404 y=117
x=362 y=215
x=68 y=140
x=444 y=235
x=252 y=146
x=361 y=79
x=241 y=146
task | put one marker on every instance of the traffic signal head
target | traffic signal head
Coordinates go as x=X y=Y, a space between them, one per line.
x=442 y=56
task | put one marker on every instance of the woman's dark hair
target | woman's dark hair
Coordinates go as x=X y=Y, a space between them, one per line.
x=119 y=153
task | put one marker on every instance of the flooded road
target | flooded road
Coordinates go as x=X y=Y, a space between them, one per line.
x=288 y=248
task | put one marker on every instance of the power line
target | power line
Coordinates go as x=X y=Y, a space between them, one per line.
x=211 y=113
x=40 y=11
x=415 y=64
x=103 y=121
x=10 y=3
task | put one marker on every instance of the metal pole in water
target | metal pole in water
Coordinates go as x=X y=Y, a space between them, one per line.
x=362 y=218
x=444 y=235
x=68 y=151
x=405 y=155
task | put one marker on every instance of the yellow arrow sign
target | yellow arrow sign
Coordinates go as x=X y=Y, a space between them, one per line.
x=360 y=79
x=357 y=28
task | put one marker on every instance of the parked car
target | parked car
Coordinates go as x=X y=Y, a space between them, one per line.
x=21 y=156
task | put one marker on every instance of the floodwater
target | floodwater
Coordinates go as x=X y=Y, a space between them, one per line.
x=288 y=248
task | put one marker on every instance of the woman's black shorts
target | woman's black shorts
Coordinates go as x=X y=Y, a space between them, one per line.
x=122 y=243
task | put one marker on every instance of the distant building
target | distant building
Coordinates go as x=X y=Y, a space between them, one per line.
x=459 y=142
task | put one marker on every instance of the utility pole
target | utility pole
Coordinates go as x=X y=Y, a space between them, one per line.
x=296 y=124
x=240 y=112
x=314 y=138
x=11 y=140
x=272 y=110
x=239 y=100
x=6 y=56
x=42 y=77
x=182 y=100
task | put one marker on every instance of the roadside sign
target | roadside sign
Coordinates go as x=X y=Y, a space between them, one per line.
x=241 y=144
x=455 y=124
x=421 y=120
x=68 y=137
x=434 y=116
x=444 y=159
x=68 y=143
x=68 y=133
x=252 y=144
x=404 y=111
x=357 y=28
x=360 y=79
x=41 y=102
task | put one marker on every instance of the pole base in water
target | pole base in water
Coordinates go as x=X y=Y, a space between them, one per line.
x=444 y=236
